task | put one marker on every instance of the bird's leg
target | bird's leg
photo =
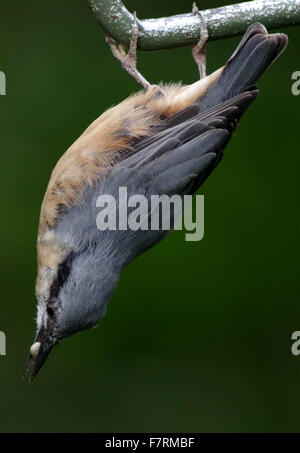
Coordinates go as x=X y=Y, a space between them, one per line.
x=199 y=50
x=128 y=61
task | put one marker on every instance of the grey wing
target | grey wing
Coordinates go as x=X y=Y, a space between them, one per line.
x=188 y=145
x=176 y=159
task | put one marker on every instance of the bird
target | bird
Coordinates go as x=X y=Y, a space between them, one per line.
x=164 y=139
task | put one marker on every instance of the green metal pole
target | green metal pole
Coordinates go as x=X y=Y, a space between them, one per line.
x=183 y=29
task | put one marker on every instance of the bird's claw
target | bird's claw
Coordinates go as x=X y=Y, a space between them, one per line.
x=128 y=60
x=199 y=50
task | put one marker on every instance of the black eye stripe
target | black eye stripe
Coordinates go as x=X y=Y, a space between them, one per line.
x=50 y=311
x=63 y=272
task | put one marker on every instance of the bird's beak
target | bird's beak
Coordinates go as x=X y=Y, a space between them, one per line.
x=39 y=352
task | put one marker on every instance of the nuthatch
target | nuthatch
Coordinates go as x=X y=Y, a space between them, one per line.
x=163 y=140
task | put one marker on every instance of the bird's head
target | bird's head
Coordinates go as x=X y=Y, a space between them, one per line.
x=73 y=288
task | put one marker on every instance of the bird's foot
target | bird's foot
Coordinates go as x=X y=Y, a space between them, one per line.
x=128 y=60
x=199 y=50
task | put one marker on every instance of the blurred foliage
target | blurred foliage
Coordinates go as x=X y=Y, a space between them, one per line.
x=197 y=336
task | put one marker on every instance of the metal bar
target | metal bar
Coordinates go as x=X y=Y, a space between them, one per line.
x=183 y=29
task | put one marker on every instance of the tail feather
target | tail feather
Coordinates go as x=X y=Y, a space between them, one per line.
x=255 y=53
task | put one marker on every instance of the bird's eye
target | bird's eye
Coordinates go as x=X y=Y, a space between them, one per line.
x=50 y=312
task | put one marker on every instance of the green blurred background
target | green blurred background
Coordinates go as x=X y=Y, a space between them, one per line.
x=198 y=335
